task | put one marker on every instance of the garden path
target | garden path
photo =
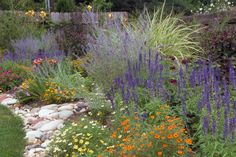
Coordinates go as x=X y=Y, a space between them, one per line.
x=41 y=123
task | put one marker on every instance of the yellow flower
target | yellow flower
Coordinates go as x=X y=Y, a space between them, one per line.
x=42 y=14
x=76 y=147
x=110 y=15
x=90 y=151
x=89 y=7
x=81 y=141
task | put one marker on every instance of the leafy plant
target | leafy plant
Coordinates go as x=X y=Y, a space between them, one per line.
x=15 y=26
x=65 y=5
x=8 y=79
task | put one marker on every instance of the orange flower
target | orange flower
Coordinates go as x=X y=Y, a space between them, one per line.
x=179 y=140
x=99 y=155
x=157 y=136
x=152 y=117
x=128 y=147
x=114 y=134
x=159 y=153
x=170 y=128
x=142 y=145
x=138 y=125
x=126 y=128
x=189 y=150
x=158 y=113
x=125 y=122
x=176 y=135
x=149 y=144
x=164 y=145
x=189 y=141
x=180 y=152
x=181 y=147
x=152 y=132
x=136 y=118
x=126 y=139
x=170 y=136
x=167 y=117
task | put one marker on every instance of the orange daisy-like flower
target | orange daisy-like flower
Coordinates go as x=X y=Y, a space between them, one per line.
x=170 y=128
x=179 y=140
x=126 y=128
x=99 y=155
x=180 y=152
x=159 y=153
x=157 y=136
x=181 y=147
x=170 y=136
x=114 y=134
x=164 y=145
x=129 y=147
x=176 y=135
x=125 y=122
x=126 y=139
x=152 y=132
x=189 y=141
x=149 y=144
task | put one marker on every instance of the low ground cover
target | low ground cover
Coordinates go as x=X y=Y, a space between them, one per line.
x=12 y=142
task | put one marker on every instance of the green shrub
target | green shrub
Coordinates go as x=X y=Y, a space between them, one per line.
x=16 y=26
x=65 y=5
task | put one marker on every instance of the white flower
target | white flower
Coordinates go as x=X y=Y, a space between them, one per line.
x=85 y=127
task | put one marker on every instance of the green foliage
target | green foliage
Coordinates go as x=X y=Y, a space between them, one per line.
x=65 y=5
x=101 y=4
x=12 y=142
x=15 y=26
x=212 y=147
x=17 y=4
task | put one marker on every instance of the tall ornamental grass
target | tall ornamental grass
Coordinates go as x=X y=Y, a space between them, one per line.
x=111 y=45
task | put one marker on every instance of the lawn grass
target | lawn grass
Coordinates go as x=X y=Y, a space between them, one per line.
x=12 y=141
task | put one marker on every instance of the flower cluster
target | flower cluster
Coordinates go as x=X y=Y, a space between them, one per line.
x=26 y=84
x=215 y=6
x=57 y=94
x=78 y=65
x=40 y=61
x=165 y=137
x=42 y=14
x=79 y=139
x=30 y=13
x=8 y=79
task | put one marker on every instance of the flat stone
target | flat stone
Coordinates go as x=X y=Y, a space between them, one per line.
x=50 y=107
x=67 y=107
x=34 y=134
x=3 y=97
x=53 y=115
x=9 y=101
x=65 y=114
x=51 y=126
x=45 y=144
x=45 y=112
x=40 y=124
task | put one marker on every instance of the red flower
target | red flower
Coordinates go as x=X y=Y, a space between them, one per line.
x=173 y=81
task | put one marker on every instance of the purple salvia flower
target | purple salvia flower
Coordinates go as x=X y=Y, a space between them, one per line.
x=213 y=125
x=205 y=124
x=225 y=130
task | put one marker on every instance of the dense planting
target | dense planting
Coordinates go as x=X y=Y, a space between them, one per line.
x=142 y=87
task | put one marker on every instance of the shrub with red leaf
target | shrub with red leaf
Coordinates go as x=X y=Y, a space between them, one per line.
x=8 y=79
